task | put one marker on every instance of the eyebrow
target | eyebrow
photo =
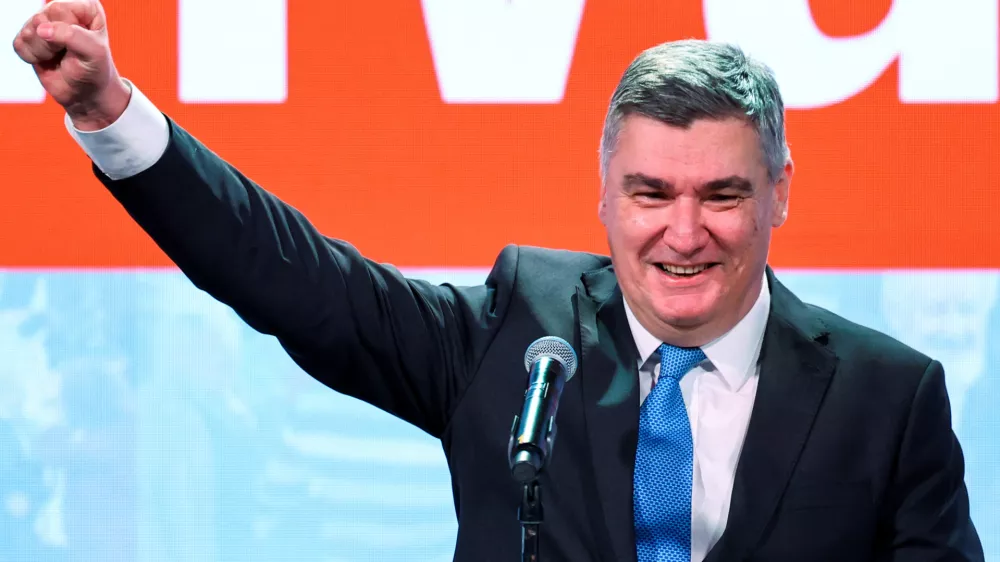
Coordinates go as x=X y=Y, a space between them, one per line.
x=739 y=183
x=632 y=181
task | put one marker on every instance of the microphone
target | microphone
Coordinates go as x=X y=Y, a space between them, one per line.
x=550 y=363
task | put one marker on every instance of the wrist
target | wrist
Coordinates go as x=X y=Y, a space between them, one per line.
x=104 y=110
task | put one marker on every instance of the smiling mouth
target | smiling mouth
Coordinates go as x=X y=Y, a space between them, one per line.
x=684 y=271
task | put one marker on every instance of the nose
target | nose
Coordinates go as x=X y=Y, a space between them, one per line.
x=685 y=232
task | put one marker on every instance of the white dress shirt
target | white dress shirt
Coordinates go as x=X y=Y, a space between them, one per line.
x=719 y=393
x=130 y=145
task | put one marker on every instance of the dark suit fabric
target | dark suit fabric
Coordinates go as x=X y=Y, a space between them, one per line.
x=849 y=454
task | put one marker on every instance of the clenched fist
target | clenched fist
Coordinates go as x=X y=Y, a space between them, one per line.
x=67 y=44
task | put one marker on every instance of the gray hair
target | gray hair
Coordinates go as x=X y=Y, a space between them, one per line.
x=681 y=81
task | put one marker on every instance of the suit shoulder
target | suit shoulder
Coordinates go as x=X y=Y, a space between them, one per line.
x=546 y=266
x=566 y=261
x=855 y=342
x=532 y=278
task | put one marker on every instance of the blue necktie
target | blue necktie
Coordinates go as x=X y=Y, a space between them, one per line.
x=664 y=462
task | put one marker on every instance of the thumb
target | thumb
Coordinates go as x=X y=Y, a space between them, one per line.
x=82 y=42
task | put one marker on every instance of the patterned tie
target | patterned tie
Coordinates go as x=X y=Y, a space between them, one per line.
x=664 y=462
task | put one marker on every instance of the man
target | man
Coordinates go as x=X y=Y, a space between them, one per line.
x=714 y=416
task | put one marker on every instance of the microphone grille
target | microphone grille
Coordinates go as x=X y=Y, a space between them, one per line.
x=554 y=347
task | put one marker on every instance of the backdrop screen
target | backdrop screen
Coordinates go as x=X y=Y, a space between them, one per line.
x=142 y=420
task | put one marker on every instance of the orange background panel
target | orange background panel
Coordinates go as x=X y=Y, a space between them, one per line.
x=367 y=149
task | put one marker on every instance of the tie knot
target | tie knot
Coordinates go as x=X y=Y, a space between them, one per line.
x=676 y=361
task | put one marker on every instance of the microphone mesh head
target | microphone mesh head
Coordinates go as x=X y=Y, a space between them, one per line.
x=556 y=348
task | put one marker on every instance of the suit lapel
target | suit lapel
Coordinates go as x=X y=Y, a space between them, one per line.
x=795 y=370
x=609 y=370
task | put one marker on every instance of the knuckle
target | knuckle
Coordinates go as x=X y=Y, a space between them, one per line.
x=25 y=54
x=59 y=11
x=24 y=46
x=39 y=51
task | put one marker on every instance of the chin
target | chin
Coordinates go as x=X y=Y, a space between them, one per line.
x=684 y=314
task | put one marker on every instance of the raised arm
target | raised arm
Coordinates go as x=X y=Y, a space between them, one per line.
x=406 y=346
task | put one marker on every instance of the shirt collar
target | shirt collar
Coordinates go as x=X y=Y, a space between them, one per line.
x=734 y=354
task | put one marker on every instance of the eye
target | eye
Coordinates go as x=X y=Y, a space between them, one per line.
x=651 y=194
x=724 y=200
x=724 y=197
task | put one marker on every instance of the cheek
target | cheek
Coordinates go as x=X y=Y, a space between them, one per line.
x=736 y=232
x=638 y=223
x=633 y=227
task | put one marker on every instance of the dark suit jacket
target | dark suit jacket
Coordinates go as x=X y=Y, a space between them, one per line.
x=849 y=454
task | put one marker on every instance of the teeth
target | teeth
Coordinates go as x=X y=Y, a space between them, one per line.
x=679 y=270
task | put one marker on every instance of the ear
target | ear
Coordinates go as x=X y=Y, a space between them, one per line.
x=602 y=205
x=779 y=200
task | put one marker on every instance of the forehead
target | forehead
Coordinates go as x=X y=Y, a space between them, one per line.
x=707 y=149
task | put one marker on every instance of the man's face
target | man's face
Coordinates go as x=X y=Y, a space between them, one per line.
x=688 y=214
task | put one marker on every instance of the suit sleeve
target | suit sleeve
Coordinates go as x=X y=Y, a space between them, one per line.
x=405 y=346
x=929 y=502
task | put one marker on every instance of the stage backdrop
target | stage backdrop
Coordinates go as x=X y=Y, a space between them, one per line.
x=141 y=420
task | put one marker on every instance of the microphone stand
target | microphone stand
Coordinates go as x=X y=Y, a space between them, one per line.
x=530 y=516
x=550 y=362
x=526 y=468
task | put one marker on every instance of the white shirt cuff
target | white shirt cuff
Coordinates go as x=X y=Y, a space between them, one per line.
x=131 y=144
